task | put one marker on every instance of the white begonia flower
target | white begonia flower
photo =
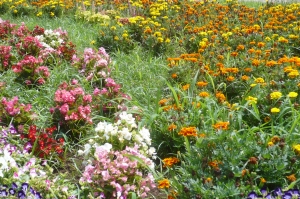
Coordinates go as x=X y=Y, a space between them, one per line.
x=100 y=127
x=125 y=133
x=128 y=119
x=152 y=152
x=87 y=149
x=138 y=139
x=145 y=135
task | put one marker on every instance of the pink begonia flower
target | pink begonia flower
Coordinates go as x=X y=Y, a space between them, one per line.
x=44 y=70
x=96 y=91
x=64 y=109
x=87 y=98
x=74 y=81
x=77 y=91
x=110 y=82
x=105 y=175
x=101 y=62
x=64 y=96
x=27 y=107
x=103 y=91
x=41 y=81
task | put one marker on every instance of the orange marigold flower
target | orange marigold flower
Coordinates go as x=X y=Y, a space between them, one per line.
x=251 y=50
x=271 y=63
x=240 y=47
x=260 y=44
x=230 y=78
x=244 y=172
x=255 y=62
x=221 y=97
x=202 y=84
x=214 y=163
x=172 y=127
x=248 y=70
x=253 y=160
x=169 y=162
x=291 y=178
x=202 y=135
x=174 y=75
x=163 y=102
x=262 y=180
x=245 y=77
x=221 y=125
x=204 y=94
x=164 y=183
x=188 y=131
x=234 y=54
x=275 y=139
x=186 y=87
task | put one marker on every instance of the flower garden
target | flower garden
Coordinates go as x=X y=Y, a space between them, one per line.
x=160 y=99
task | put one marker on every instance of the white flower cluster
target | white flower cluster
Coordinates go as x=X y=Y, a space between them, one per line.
x=6 y=162
x=50 y=39
x=125 y=131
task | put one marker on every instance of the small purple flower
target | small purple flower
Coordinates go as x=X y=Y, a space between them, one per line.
x=3 y=193
x=25 y=187
x=37 y=195
x=278 y=192
x=21 y=194
x=11 y=191
x=287 y=196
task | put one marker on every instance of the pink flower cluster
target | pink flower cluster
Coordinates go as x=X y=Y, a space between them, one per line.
x=30 y=71
x=72 y=104
x=10 y=109
x=93 y=64
x=29 y=45
x=117 y=171
x=5 y=57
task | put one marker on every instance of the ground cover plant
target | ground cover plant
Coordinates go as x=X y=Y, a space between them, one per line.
x=149 y=99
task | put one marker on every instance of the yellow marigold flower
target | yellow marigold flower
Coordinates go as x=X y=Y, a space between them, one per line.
x=188 y=131
x=167 y=40
x=52 y=14
x=293 y=74
x=259 y=80
x=164 y=183
x=172 y=127
x=253 y=85
x=292 y=94
x=268 y=39
x=125 y=35
x=275 y=110
x=252 y=99
x=116 y=38
x=202 y=84
x=276 y=95
x=204 y=94
x=208 y=180
x=270 y=144
x=291 y=178
x=160 y=40
x=169 y=162
x=221 y=125
x=297 y=149
x=186 y=87
x=113 y=28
